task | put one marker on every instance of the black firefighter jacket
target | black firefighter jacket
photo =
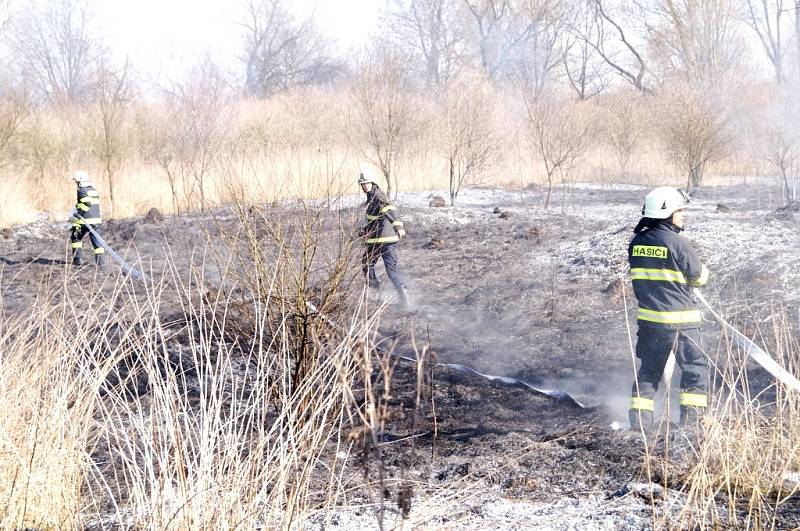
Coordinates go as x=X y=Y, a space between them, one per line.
x=664 y=269
x=382 y=219
x=88 y=206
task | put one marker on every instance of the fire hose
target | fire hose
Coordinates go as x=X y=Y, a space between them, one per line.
x=117 y=258
x=752 y=350
x=556 y=394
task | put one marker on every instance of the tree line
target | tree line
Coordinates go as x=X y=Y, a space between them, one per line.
x=553 y=79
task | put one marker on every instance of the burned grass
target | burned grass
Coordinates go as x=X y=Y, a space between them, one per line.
x=536 y=295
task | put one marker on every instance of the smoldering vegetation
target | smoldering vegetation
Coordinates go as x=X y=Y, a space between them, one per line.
x=250 y=381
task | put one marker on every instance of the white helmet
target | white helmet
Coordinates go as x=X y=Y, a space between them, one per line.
x=662 y=202
x=366 y=176
x=81 y=177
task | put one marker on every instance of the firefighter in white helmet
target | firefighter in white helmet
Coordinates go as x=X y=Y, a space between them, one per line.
x=380 y=234
x=664 y=269
x=87 y=212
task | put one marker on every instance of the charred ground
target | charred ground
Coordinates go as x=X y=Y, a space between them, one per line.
x=509 y=289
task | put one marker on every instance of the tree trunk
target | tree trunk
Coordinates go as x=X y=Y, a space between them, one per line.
x=786 y=191
x=453 y=191
x=695 y=178
x=110 y=174
x=797 y=30
x=549 y=189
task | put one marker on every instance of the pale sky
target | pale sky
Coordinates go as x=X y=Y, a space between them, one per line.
x=158 y=34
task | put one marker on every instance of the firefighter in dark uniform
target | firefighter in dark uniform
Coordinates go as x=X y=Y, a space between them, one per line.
x=380 y=234
x=87 y=212
x=664 y=269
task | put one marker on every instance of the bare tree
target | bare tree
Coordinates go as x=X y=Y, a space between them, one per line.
x=511 y=34
x=765 y=18
x=697 y=40
x=162 y=144
x=584 y=68
x=434 y=30
x=5 y=13
x=14 y=109
x=623 y=56
x=695 y=131
x=280 y=51
x=187 y=134
x=489 y=18
x=782 y=143
x=202 y=99
x=113 y=93
x=560 y=134
x=55 y=48
x=383 y=113
x=468 y=140
x=623 y=126
x=535 y=57
x=797 y=33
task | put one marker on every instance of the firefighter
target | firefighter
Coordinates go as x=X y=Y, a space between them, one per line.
x=87 y=212
x=664 y=269
x=380 y=234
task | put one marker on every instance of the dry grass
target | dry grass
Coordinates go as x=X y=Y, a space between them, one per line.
x=750 y=457
x=46 y=413
x=176 y=158
x=235 y=414
x=745 y=467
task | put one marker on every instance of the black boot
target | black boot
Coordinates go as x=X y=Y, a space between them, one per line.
x=77 y=258
x=100 y=260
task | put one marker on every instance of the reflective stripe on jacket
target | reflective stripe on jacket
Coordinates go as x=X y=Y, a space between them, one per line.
x=664 y=269
x=88 y=206
x=383 y=220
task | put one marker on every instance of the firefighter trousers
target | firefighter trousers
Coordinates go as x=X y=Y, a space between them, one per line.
x=653 y=347
x=387 y=251
x=76 y=237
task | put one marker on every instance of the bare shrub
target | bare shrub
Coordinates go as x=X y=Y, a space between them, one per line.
x=781 y=138
x=47 y=414
x=383 y=110
x=50 y=143
x=468 y=139
x=625 y=120
x=110 y=139
x=694 y=131
x=560 y=133
x=748 y=455
x=14 y=109
x=233 y=391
